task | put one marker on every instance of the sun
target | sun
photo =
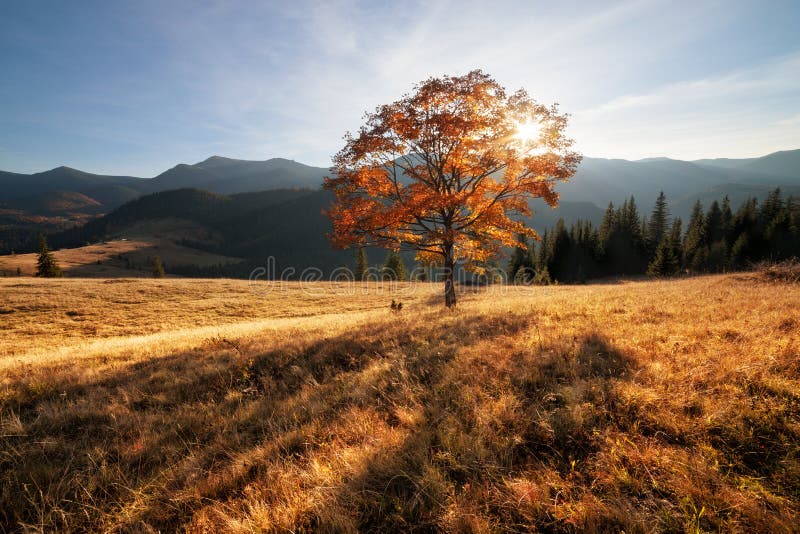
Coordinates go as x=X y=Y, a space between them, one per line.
x=528 y=131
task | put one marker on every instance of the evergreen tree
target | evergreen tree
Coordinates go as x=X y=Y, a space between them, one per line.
x=727 y=219
x=745 y=235
x=695 y=250
x=676 y=232
x=740 y=251
x=714 y=230
x=793 y=209
x=558 y=252
x=541 y=252
x=609 y=223
x=715 y=241
x=157 y=267
x=773 y=204
x=717 y=260
x=665 y=262
x=46 y=265
x=361 y=264
x=657 y=227
x=584 y=254
x=542 y=277
x=521 y=265
x=394 y=268
x=620 y=236
x=645 y=233
x=667 y=259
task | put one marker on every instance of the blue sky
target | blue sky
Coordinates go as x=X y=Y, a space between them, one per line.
x=136 y=87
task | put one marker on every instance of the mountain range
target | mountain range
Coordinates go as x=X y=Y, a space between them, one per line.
x=598 y=180
x=274 y=207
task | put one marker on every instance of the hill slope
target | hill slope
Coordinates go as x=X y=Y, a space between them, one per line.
x=224 y=175
x=286 y=224
x=216 y=174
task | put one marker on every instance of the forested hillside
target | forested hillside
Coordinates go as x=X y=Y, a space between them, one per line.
x=714 y=239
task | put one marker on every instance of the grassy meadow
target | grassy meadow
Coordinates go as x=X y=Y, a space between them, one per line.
x=128 y=258
x=212 y=406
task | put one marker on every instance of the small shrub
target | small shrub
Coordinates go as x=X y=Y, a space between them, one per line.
x=784 y=271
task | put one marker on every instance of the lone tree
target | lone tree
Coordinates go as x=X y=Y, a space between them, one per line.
x=158 y=267
x=448 y=171
x=46 y=265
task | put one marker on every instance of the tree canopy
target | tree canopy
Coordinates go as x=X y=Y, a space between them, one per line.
x=448 y=170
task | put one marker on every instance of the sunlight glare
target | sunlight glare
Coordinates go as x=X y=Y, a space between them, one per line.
x=528 y=131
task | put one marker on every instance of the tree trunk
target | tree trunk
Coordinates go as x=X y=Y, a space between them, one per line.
x=449 y=277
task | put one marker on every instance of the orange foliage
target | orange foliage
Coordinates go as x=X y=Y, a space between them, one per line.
x=444 y=171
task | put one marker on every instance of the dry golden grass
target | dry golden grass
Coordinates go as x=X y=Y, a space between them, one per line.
x=111 y=259
x=202 y=406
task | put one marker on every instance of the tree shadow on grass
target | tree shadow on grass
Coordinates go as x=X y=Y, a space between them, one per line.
x=526 y=415
x=442 y=422
x=148 y=444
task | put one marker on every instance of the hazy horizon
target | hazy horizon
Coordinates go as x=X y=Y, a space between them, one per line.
x=324 y=166
x=134 y=89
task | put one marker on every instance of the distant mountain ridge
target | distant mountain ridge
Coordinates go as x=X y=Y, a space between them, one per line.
x=598 y=180
x=63 y=197
x=230 y=176
x=216 y=174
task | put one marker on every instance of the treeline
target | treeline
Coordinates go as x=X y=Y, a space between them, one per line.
x=626 y=243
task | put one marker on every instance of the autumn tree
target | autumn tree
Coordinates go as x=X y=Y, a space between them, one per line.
x=448 y=171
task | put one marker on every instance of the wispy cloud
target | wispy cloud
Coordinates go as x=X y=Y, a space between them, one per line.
x=740 y=113
x=153 y=83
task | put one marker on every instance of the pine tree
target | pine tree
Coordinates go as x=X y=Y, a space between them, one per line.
x=657 y=227
x=158 y=267
x=793 y=209
x=645 y=233
x=727 y=219
x=558 y=253
x=394 y=268
x=695 y=251
x=542 y=277
x=361 y=264
x=740 y=251
x=46 y=265
x=609 y=223
x=541 y=252
x=521 y=265
x=665 y=263
x=714 y=232
x=667 y=259
x=634 y=225
x=676 y=233
x=713 y=224
x=772 y=205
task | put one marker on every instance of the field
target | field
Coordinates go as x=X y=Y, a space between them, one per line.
x=210 y=405
x=131 y=258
